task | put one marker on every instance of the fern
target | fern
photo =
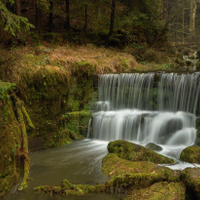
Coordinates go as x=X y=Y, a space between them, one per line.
x=13 y=23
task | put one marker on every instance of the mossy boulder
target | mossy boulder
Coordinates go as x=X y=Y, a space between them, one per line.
x=81 y=89
x=127 y=176
x=114 y=166
x=135 y=152
x=191 y=154
x=191 y=178
x=161 y=191
x=77 y=121
x=44 y=90
x=68 y=188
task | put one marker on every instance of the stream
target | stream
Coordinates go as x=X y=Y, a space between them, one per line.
x=79 y=162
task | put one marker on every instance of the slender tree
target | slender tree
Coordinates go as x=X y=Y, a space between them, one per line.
x=98 y=8
x=193 y=10
x=18 y=7
x=112 y=18
x=37 y=14
x=67 y=16
x=162 y=9
x=86 y=16
x=51 y=16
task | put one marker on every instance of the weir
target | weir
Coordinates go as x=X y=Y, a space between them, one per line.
x=147 y=108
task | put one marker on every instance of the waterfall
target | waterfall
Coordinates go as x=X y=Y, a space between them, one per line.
x=147 y=107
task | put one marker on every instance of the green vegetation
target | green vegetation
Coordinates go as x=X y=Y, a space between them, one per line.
x=10 y=140
x=12 y=23
x=48 y=60
x=77 y=121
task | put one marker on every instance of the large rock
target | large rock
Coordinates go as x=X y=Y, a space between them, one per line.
x=114 y=166
x=191 y=178
x=191 y=154
x=135 y=152
x=161 y=191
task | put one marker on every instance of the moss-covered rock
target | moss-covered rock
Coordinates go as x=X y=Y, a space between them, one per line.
x=77 y=121
x=114 y=166
x=191 y=178
x=10 y=140
x=81 y=87
x=68 y=188
x=44 y=91
x=135 y=152
x=49 y=92
x=161 y=191
x=191 y=154
x=126 y=176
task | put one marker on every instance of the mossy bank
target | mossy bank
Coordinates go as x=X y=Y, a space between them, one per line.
x=51 y=88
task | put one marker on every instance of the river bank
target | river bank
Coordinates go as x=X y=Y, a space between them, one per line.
x=54 y=86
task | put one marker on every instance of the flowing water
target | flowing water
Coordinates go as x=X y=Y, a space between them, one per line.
x=79 y=162
x=141 y=108
x=147 y=108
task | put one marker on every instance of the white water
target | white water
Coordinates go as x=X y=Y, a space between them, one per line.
x=142 y=109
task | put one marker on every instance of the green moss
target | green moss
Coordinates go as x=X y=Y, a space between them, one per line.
x=44 y=91
x=10 y=140
x=77 y=121
x=64 y=136
x=84 y=67
x=161 y=191
x=80 y=93
x=68 y=188
x=8 y=182
x=191 y=154
x=114 y=166
x=5 y=87
x=136 y=152
x=191 y=178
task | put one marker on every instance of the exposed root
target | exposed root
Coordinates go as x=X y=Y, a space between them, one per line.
x=21 y=112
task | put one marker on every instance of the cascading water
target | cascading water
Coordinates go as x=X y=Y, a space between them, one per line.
x=144 y=108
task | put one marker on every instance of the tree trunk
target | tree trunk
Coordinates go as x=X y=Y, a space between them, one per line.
x=112 y=18
x=68 y=16
x=162 y=9
x=18 y=7
x=85 y=26
x=183 y=24
x=193 y=9
x=37 y=14
x=98 y=9
x=51 y=16
x=167 y=13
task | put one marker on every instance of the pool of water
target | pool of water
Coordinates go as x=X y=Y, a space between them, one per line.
x=79 y=162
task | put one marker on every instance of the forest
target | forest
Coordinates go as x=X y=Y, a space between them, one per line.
x=129 y=22
x=99 y=99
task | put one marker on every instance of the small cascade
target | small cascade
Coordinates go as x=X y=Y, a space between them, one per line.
x=147 y=108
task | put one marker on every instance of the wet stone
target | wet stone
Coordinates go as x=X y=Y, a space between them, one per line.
x=153 y=146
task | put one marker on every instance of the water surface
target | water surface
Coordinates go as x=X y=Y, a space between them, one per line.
x=79 y=162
